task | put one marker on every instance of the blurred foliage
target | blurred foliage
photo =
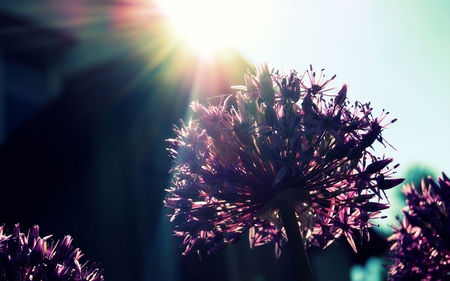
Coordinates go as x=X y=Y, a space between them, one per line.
x=415 y=172
x=373 y=270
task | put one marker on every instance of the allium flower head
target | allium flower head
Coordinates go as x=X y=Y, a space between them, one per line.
x=33 y=258
x=421 y=244
x=286 y=140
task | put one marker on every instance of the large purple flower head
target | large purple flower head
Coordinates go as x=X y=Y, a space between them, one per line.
x=421 y=244
x=282 y=143
x=33 y=258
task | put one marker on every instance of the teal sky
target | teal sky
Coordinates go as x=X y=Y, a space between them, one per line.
x=395 y=54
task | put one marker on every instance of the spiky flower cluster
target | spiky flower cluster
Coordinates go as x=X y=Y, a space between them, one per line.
x=235 y=165
x=421 y=248
x=32 y=258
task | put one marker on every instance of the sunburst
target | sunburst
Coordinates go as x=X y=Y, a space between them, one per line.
x=209 y=26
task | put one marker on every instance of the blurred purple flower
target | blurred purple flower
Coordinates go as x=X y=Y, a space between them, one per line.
x=421 y=244
x=281 y=142
x=33 y=258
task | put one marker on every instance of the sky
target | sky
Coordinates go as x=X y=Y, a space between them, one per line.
x=394 y=54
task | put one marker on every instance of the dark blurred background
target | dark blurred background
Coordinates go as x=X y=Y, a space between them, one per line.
x=85 y=108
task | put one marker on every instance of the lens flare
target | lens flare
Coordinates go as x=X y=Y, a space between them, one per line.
x=211 y=25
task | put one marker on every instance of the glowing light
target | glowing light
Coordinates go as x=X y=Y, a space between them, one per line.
x=209 y=25
x=155 y=40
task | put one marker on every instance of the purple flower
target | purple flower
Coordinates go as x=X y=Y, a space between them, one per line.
x=282 y=142
x=421 y=244
x=33 y=258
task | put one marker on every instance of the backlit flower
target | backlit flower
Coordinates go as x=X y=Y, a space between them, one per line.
x=421 y=244
x=33 y=258
x=281 y=142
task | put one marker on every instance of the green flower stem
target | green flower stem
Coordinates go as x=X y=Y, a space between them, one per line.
x=296 y=244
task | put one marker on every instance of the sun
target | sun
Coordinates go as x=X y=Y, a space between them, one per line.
x=209 y=25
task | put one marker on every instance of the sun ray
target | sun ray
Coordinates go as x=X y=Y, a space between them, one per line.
x=209 y=26
x=141 y=31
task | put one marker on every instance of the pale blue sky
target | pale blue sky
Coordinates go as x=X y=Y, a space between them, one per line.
x=395 y=54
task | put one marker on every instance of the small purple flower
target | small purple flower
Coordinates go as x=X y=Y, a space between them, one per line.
x=282 y=142
x=421 y=244
x=33 y=258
